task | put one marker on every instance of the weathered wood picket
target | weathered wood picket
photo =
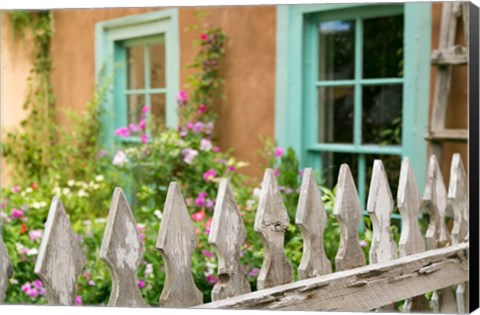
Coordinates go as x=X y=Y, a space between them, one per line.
x=437 y=262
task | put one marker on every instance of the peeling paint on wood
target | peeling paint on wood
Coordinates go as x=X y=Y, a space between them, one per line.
x=271 y=222
x=6 y=270
x=348 y=212
x=177 y=241
x=122 y=251
x=60 y=258
x=311 y=218
x=227 y=236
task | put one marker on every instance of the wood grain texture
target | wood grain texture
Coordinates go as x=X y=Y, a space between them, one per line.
x=227 y=236
x=122 y=251
x=311 y=218
x=271 y=222
x=177 y=241
x=60 y=258
x=6 y=270
x=348 y=212
x=457 y=200
x=364 y=288
x=411 y=238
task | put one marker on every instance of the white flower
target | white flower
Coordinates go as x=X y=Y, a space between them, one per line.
x=119 y=159
x=211 y=267
x=32 y=251
x=82 y=193
x=29 y=190
x=99 y=178
x=256 y=192
x=95 y=186
x=13 y=281
x=56 y=191
x=205 y=145
x=66 y=191
x=71 y=183
x=158 y=214
x=36 y=205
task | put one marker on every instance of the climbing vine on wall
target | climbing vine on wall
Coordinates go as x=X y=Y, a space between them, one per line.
x=28 y=149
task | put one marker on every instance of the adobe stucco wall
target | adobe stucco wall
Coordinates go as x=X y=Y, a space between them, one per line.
x=248 y=69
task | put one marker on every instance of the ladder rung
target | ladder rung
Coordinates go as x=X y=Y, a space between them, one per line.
x=460 y=135
x=455 y=55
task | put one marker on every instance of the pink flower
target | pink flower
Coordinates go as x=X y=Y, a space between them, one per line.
x=15 y=189
x=145 y=109
x=122 y=132
x=363 y=243
x=288 y=191
x=202 y=109
x=203 y=194
x=35 y=234
x=211 y=279
x=26 y=287
x=279 y=152
x=141 y=284
x=189 y=155
x=231 y=168
x=204 y=37
x=182 y=97
x=198 y=216
x=198 y=127
x=216 y=149
x=210 y=203
x=24 y=251
x=134 y=128
x=300 y=172
x=209 y=175
x=254 y=272
x=200 y=202
x=183 y=133
x=208 y=225
x=32 y=292
x=38 y=284
x=119 y=159
x=17 y=213
x=205 y=145
x=209 y=128
x=189 y=125
x=144 y=138
x=207 y=253
x=276 y=172
x=101 y=153
x=78 y=300
x=91 y=283
x=86 y=274
x=142 y=124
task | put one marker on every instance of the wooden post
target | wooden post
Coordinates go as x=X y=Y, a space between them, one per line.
x=177 y=241
x=227 y=236
x=380 y=208
x=411 y=239
x=60 y=259
x=311 y=218
x=435 y=203
x=6 y=270
x=348 y=212
x=122 y=251
x=271 y=222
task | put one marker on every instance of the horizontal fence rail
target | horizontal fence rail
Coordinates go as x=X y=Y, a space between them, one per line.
x=405 y=272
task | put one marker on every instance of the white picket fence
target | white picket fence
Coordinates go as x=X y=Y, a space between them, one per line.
x=419 y=264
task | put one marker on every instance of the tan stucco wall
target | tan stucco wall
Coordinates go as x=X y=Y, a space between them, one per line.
x=248 y=70
x=15 y=56
x=457 y=113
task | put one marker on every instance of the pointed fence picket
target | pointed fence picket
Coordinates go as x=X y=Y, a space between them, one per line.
x=394 y=274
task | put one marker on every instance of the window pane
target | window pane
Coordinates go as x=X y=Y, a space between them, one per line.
x=158 y=109
x=383 y=47
x=382 y=114
x=136 y=67
x=135 y=106
x=331 y=162
x=392 y=164
x=157 y=65
x=335 y=114
x=336 y=50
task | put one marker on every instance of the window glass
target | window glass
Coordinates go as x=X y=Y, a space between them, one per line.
x=335 y=114
x=157 y=65
x=136 y=67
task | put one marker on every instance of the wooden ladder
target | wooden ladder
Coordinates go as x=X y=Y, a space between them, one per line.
x=447 y=55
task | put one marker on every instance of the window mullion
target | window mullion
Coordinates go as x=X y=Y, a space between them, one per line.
x=147 y=86
x=357 y=124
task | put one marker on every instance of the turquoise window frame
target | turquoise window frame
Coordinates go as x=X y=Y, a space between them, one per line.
x=110 y=37
x=296 y=83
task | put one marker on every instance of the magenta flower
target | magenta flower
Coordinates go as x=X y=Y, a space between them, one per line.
x=202 y=109
x=207 y=253
x=198 y=216
x=209 y=175
x=35 y=234
x=216 y=149
x=182 y=97
x=204 y=37
x=279 y=152
x=16 y=213
x=231 y=168
x=142 y=124
x=38 y=284
x=26 y=287
x=211 y=279
x=78 y=300
x=122 y=132
x=200 y=202
x=134 y=128
x=145 y=109
x=189 y=125
x=198 y=127
x=276 y=172
x=15 y=189
x=32 y=292
x=144 y=138
x=203 y=194
x=141 y=284
x=254 y=272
